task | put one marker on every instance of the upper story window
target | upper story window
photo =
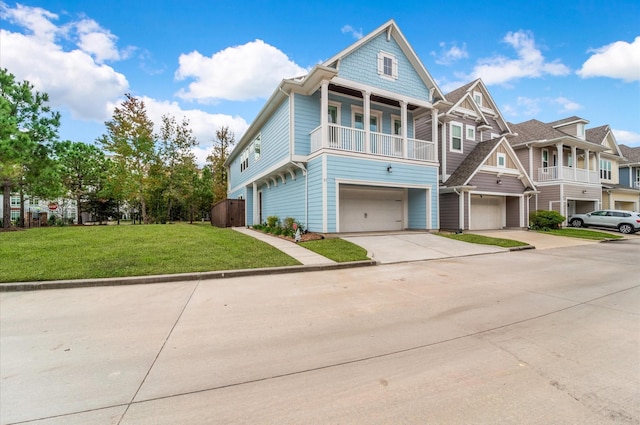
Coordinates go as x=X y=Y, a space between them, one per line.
x=471 y=132
x=545 y=158
x=244 y=160
x=580 y=131
x=455 y=142
x=502 y=160
x=477 y=97
x=15 y=201
x=605 y=169
x=256 y=148
x=387 y=65
x=357 y=117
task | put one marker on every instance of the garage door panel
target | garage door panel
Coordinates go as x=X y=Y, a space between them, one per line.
x=487 y=212
x=370 y=209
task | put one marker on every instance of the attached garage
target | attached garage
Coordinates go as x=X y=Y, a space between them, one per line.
x=367 y=209
x=487 y=212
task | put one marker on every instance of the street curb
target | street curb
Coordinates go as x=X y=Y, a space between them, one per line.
x=182 y=277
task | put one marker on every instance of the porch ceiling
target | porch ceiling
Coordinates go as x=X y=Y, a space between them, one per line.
x=374 y=98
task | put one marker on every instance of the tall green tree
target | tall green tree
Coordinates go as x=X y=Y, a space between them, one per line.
x=222 y=146
x=178 y=162
x=131 y=140
x=83 y=171
x=28 y=128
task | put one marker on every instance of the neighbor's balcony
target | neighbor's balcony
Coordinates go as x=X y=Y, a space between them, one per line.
x=551 y=174
x=355 y=140
x=636 y=184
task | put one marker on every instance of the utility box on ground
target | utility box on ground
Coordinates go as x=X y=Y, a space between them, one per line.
x=228 y=213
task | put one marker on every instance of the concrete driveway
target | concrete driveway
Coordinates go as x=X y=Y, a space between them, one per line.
x=403 y=247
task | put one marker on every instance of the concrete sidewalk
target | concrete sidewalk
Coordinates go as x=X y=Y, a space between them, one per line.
x=305 y=256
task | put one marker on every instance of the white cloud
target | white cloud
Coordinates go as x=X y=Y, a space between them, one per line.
x=530 y=62
x=449 y=55
x=203 y=124
x=532 y=107
x=625 y=137
x=357 y=34
x=97 y=41
x=616 y=60
x=566 y=104
x=72 y=79
x=250 y=71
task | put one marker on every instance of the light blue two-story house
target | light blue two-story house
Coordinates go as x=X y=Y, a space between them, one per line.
x=336 y=149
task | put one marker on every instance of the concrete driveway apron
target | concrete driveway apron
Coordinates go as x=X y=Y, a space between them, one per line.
x=403 y=247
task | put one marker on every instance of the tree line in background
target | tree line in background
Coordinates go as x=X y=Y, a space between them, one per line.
x=152 y=177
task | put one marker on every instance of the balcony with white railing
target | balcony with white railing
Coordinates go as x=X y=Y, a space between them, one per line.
x=636 y=184
x=379 y=144
x=569 y=174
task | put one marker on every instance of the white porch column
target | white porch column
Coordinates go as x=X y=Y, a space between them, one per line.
x=366 y=100
x=587 y=159
x=560 y=160
x=574 y=164
x=403 y=126
x=434 y=132
x=443 y=162
x=256 y=207
x=324 y=113
x=597 y=167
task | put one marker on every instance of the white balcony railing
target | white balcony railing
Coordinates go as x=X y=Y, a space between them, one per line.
x=550 y=174
x=354 y=140
x=636 y=184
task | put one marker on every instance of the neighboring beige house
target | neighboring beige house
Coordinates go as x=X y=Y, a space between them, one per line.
x=614 y=195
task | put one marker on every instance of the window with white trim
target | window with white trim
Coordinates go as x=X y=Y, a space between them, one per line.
x=545 y=158
x=15 y=201
x=256 y=148
x=244 y=160
x=477 y=97
x=455 y=139
x=471 y=133
x=357 y=117
x=502 y=160
x=580 y=131
x=387 y=65
x=605 y=169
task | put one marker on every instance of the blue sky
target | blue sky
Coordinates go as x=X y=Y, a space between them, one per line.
x=217 y=62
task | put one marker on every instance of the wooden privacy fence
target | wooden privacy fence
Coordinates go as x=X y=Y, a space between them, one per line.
x=228 y=213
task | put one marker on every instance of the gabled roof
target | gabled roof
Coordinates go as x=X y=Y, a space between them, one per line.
x=391 y=29
x=465 y=93
x=603 y=136
x=534 y=131
x=631 y=155
x=468 y=167
x=477 y=157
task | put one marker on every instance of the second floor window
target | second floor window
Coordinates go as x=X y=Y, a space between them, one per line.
x=256 y=148
x=605 y=169
x=244 y=160
x=387 y=65
x=456 y=137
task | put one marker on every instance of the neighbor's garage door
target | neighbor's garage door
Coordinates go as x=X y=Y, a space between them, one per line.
x=364 y=209
x=487 y=212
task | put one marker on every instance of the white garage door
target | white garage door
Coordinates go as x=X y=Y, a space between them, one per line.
x=364 y=209
x=487 y=212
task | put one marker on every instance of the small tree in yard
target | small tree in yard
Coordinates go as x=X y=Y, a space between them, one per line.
x=545 y=220
x=222 y=146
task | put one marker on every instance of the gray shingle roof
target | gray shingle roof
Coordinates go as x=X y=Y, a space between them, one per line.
x=471 y=163
x=533 y=130
x=632 y=155
x=566 y=121
x=597 y=134
x=457 y=94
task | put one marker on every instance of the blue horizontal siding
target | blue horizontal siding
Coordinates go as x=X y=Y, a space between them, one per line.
x=362 y=66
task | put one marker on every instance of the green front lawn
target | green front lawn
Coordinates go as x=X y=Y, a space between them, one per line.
x=338 y=250
x=85 y=252
x=483 y=240
x=582 y=234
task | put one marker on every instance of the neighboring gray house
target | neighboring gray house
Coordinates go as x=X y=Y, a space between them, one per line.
x=337 y=149
x=630 y=171
x=483 y=185
x=563 y=164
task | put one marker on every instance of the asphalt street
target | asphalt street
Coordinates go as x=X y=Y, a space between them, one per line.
x=526 y=337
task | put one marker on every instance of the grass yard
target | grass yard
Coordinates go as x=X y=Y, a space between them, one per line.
x=483 y=240
x=338 y=250
x=582 y=234
x=86 y=252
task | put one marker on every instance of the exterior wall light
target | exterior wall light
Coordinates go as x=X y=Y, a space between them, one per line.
x=389 y=169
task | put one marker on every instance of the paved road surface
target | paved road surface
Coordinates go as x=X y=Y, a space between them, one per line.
x=530 y=337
